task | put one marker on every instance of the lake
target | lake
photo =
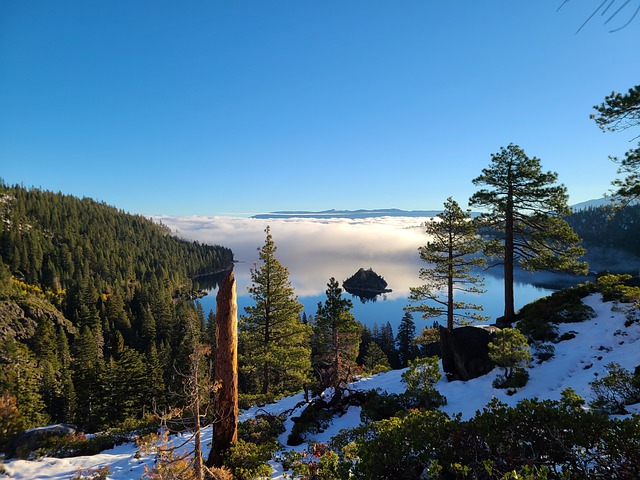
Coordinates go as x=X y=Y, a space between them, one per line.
x=314 y=250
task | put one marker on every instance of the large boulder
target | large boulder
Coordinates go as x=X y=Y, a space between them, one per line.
x=31 y=440
x=465 y=352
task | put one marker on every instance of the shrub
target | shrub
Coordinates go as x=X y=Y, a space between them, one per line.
x=537 y=319
x=381 y=405
x=421 y=377
x=571 y=334
x=247 y=460
x=509 y=349
x=613 y=392
x=313 y=419
x=263 y=428
x=10 y=418
x=613 y=288
x=544 y=352
x=519 y=378
x=318 y=462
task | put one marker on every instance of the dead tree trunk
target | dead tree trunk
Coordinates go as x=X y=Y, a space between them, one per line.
x=225 y=425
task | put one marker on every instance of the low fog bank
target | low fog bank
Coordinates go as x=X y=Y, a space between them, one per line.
x=315 y=250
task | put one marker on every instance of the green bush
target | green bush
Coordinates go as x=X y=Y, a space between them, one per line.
x=613 y=288
x=558 y=439
x=381 y=405
x=262 y=428
x=509 y=349
x=613 y=392
x=518 y=379
x=538 y=318
x=247 y=460
x=318 y=462
x=421 y=377
x=544 y=352
x=313 y=419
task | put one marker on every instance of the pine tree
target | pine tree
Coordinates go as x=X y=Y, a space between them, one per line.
x=275 y=343
x=509 y=349
x=407 y=349
x=619 y=112
x=450 y=255
x=526 y=209
x=20 y=375
x=126 y=377
x=337 y=338
x=154 y=387
x=386 y=341
x=65 y=404
x=375 y=360
x=88 y=369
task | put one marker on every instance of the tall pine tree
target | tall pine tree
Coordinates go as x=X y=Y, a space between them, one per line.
x=336 y=339
x=527 y=210
x=275 y=355
x=407 y=349
x=450 y=254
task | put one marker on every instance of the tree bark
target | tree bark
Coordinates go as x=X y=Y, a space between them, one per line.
x=225 y=425
x=509 y=310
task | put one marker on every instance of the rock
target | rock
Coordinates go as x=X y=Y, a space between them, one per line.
x=366 y=284
x=31 y=440
x=465 y=352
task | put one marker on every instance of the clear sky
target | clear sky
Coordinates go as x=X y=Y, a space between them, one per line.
x=209 y=107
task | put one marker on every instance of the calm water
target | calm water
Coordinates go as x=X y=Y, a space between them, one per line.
x=389 y=308
x=314 y=250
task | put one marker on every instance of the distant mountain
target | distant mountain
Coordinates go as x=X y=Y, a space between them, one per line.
x=594 y=203
x=383 y=212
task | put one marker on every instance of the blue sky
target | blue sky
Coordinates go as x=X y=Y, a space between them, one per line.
x=209 y=107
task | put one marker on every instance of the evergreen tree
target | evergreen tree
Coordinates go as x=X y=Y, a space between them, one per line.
x=65 y=404
x=375 y=360
x=366 y=337
x=337 y=339
x=126 y=377
x=450 y=255
x=154 y=387
x=45 y=348
x=386 y=341
x=509 y=349
x=619 y=112
x=88 y=369
x=407 y=349
x=526 y=209
x=20 y=375
x=275 y=343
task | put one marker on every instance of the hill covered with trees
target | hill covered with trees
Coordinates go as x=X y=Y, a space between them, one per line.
x=94 y=318
x=611 y=237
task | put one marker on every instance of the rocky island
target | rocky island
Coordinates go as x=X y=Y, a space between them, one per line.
x=365 y=283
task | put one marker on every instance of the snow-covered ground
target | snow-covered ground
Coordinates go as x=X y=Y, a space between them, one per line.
x=598 y=342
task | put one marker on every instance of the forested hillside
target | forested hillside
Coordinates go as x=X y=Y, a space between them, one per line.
x=94 y=324
x=612 y=239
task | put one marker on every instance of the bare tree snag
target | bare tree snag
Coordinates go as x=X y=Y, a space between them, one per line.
x=225 y=425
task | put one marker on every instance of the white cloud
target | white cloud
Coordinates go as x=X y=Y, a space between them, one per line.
x=316 y=249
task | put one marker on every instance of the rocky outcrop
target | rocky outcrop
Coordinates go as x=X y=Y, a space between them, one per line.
x=19 y=318
x=365 y=281
x=465 y=352
x=31 y=440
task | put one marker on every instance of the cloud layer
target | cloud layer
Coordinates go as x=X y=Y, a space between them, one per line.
x=315 y=250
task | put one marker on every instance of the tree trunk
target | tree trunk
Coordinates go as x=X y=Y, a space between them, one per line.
x=197 y=444
x=509 y=310
x=225 y=422
x=450 y=287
